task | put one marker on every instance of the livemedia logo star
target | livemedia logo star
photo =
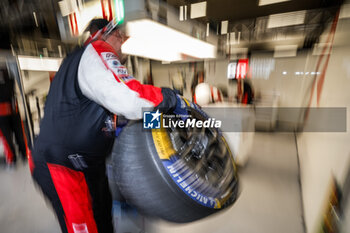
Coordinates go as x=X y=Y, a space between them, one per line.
x=151 y=120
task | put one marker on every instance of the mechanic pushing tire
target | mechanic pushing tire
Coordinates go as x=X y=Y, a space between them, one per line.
x=180 y=175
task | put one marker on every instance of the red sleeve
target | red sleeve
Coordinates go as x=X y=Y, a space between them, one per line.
x=148 y=92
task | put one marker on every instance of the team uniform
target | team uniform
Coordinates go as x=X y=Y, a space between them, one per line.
x=69 y=155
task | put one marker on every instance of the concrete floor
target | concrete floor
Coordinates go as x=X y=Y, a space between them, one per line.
x=269 y=201
x=22 y=207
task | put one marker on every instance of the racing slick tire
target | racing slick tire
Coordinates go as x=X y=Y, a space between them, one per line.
x=154 y=174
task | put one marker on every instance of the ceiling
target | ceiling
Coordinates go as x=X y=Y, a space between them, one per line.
x=17 y=21
x=234 y=10
x=249 y=20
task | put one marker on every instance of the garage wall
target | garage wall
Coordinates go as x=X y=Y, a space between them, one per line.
x=268 y=78
x=287 y=78
x=323 y=155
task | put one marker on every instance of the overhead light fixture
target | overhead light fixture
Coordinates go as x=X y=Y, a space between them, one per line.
x=156 y=41
x=198 y=10
x=39 y=64
x=224 y=26
x=207 y=31
x=91 y=10
x=181 y=12
x=67 y=7
x=150 y=49
x=35 y=19
x=269 y=2
x=285 y=51
x=286 y=19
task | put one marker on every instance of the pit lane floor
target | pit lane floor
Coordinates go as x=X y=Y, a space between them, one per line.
x=269 y=201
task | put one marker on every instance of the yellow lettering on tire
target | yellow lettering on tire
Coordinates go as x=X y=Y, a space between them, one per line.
x=162 y=143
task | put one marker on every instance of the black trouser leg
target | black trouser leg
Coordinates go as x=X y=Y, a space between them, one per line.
x=97 y=182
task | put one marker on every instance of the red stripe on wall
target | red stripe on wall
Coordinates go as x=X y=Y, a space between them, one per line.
x=76 y=31
x=71 y=23
x=330 y=38
x=110 y=10
x=103 y=9
x=323 y=74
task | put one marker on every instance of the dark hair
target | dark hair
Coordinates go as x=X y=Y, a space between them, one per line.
x=96 y=24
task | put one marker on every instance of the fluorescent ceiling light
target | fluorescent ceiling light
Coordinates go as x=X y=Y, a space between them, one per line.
x=90 y=11
x=67 y=7
x=286 y=19
x=148 y=49
x=207 y=32
x=286 y=47
x=268 y=2
x=198 y=10
x=181 y=11
x=39 y=64
x=159 y=42
x=285 y=51
x=224 y=26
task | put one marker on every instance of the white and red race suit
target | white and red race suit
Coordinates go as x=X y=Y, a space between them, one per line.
x=117 y=91
x=69 y=153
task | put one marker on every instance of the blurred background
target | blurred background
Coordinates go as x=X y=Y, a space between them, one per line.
x=264 y=56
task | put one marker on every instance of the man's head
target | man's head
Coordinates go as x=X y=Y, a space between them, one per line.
x=112 y=32
x=116 y=38
x=96 y=24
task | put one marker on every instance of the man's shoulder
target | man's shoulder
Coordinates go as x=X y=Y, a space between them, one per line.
x=102 y=46
x=73 y=57
x=103 y=50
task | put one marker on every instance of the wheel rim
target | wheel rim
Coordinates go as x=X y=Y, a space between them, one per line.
x=206 y=156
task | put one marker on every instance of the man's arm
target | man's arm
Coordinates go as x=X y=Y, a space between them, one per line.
x=104 y=80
